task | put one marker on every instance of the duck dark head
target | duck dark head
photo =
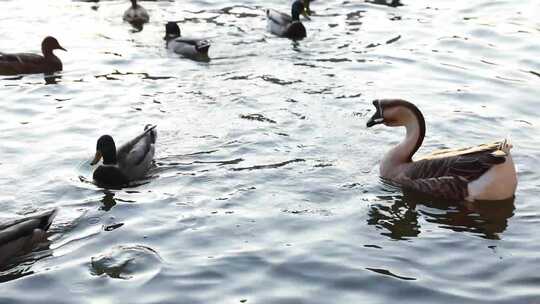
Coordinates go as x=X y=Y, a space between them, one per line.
x=49 y=44
x=297 y=9
x=172 y=30
x=105 y=148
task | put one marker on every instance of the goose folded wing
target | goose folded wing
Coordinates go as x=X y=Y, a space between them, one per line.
x=468 y=164
x=446 y=187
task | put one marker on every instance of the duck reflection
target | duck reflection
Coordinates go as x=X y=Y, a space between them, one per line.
x=398 y=215
x=51 y=78
x=107 y=201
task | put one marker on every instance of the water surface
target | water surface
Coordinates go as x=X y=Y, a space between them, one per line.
x=266 y=185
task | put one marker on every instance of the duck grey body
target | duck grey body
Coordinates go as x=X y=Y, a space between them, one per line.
x=21 y=235
x=285 y=25
x=189 y=47
x=130 y=162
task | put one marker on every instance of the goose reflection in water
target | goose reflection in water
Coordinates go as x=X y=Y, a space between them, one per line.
x=398 y=215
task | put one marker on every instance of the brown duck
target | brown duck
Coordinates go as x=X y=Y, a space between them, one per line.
x=483 y=172
x=28 y=63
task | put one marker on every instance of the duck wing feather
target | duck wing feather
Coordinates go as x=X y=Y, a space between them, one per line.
x=278 y=17
x=196 y=42
x=134 y=151
x=15 y=229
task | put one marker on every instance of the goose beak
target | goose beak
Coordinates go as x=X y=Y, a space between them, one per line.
x=377 y=118
x=96 y=158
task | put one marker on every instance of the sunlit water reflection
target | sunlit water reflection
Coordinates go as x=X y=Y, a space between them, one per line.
x=266 y=184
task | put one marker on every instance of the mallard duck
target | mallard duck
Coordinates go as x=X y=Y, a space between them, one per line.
x=284 y=25
x=28 y=63
x=136 y=14
x=484 y=172
x=22 y=235
x=130 y=162
x=190 y=47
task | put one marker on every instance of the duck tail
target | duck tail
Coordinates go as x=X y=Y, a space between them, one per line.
x=203 y=46
x=47 y=218
x=153 y=133
x=506 y=145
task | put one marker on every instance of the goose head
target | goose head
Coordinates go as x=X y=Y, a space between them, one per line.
x=107 y=149
x=395 y=113
x=172 y=31
x=49 y=44
x=298 y=9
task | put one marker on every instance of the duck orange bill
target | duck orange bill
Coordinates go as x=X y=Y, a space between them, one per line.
x=96 y=158
x=378 y=117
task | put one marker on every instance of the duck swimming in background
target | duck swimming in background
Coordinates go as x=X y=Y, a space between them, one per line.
x=136 y=15
x=28 y=63
x=130 y=162
x=189 y=47
x=22 y=235
x=484 y=172
x=284 y=25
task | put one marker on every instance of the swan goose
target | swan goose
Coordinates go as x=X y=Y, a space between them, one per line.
x=484 y=172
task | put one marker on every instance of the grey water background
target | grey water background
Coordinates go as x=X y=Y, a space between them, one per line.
x=266 y=185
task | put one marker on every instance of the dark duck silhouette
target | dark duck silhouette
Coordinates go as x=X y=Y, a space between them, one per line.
x=28 y=63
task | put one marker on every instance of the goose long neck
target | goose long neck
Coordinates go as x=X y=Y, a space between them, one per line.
x=414 y=137
x=415 y=132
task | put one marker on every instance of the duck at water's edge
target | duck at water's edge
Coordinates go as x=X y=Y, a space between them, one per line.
x=484 y=172
x=28 y=63
x=22 y=235
x=284 y=25
x=189 y=47
x=130 y=162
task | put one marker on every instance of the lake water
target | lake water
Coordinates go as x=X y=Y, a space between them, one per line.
x=266 y=185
